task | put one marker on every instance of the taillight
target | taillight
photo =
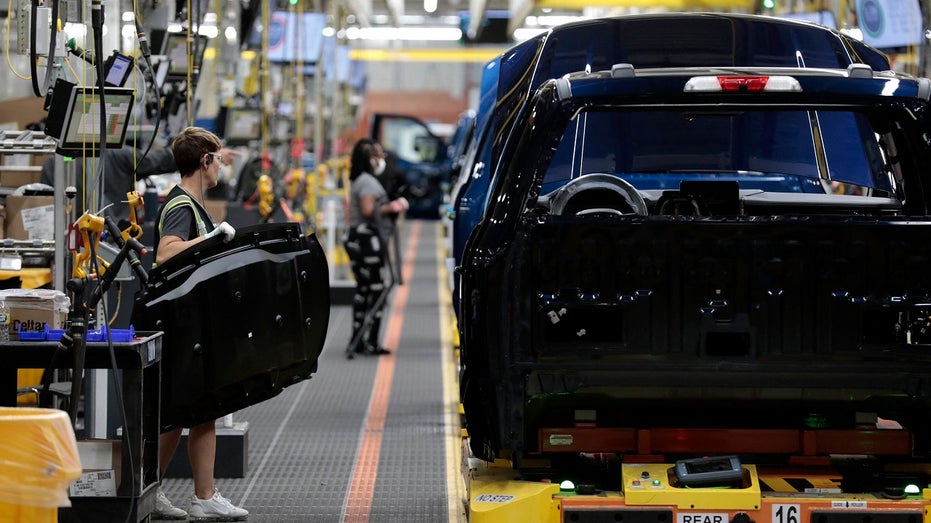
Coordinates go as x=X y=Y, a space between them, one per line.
x=742 y=83
x=710 y=84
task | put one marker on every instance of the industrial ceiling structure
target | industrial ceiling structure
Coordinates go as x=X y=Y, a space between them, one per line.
x=517 y=13
x=492 y=21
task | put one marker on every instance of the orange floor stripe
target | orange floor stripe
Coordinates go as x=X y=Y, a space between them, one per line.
x=361 y=489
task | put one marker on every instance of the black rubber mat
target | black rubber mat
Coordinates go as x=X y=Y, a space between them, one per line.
x=303 y=444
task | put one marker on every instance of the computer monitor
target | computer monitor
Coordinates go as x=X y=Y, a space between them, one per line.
x=243 y=125
x=80 y=134
x=176 y=51
x=118 y=67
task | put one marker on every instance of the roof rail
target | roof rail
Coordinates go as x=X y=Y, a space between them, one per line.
x=924 y=89
x=563 y=89
x=859 y=71
x=622 y=71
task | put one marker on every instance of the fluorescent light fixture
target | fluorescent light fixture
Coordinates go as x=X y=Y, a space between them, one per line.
x=204 y=30
x=405 y=33
x=76 y=31
x=853 y=32
x=412 y=19
x=210 y=31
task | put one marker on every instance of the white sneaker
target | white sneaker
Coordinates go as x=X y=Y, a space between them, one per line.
x=164 y=509
x=216 y=508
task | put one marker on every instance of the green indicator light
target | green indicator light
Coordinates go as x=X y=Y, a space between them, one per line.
x=567 y=485
x=816 y=421
x=769 y=4
x=912 y=489
x=656 y=482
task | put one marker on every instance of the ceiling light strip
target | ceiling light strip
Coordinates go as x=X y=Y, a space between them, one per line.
x=481 y=55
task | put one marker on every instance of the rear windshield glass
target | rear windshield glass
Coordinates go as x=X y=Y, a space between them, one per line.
x=780 y=151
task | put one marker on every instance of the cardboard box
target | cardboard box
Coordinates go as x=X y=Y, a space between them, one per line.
x=18 y=176
x=30 y=217
x=34 y=309
x=16 y=114
x=35 y=159
x=216 y=209
x=101 y=464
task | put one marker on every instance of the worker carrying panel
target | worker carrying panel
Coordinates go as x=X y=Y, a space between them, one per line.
x=242 y=320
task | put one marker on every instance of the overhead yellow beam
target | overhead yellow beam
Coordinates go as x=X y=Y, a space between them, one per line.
x=463 y=54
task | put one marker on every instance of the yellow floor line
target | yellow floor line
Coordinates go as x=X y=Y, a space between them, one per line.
x=452 y=426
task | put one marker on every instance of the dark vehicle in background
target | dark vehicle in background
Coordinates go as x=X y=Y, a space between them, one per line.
x=417 y=162
x=644 y=41
x=457 y=149
x=680 y=262
x=458 y=144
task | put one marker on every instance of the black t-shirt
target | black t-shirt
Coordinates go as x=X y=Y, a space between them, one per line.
x=176 y=217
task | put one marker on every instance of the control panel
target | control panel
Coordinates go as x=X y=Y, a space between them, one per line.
x=655 y=484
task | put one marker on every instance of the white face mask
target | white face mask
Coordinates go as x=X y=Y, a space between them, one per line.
x=378 y=166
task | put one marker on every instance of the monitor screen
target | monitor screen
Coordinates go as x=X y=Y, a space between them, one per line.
x=118 y=68
x=243 y=125
x=176 y=51
x=292 y=38
x=81 y=129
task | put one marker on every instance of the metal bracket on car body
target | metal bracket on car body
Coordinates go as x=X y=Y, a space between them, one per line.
x=563 y=89
x=924 y=88
x=622 y=71
x=859 y=71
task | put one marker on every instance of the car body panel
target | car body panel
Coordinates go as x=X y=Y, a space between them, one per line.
x=243 y=320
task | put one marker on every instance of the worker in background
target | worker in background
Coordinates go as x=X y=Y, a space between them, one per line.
x=182 y=222
x=366 y=243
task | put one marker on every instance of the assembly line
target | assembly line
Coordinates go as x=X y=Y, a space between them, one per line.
x=660 y=266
